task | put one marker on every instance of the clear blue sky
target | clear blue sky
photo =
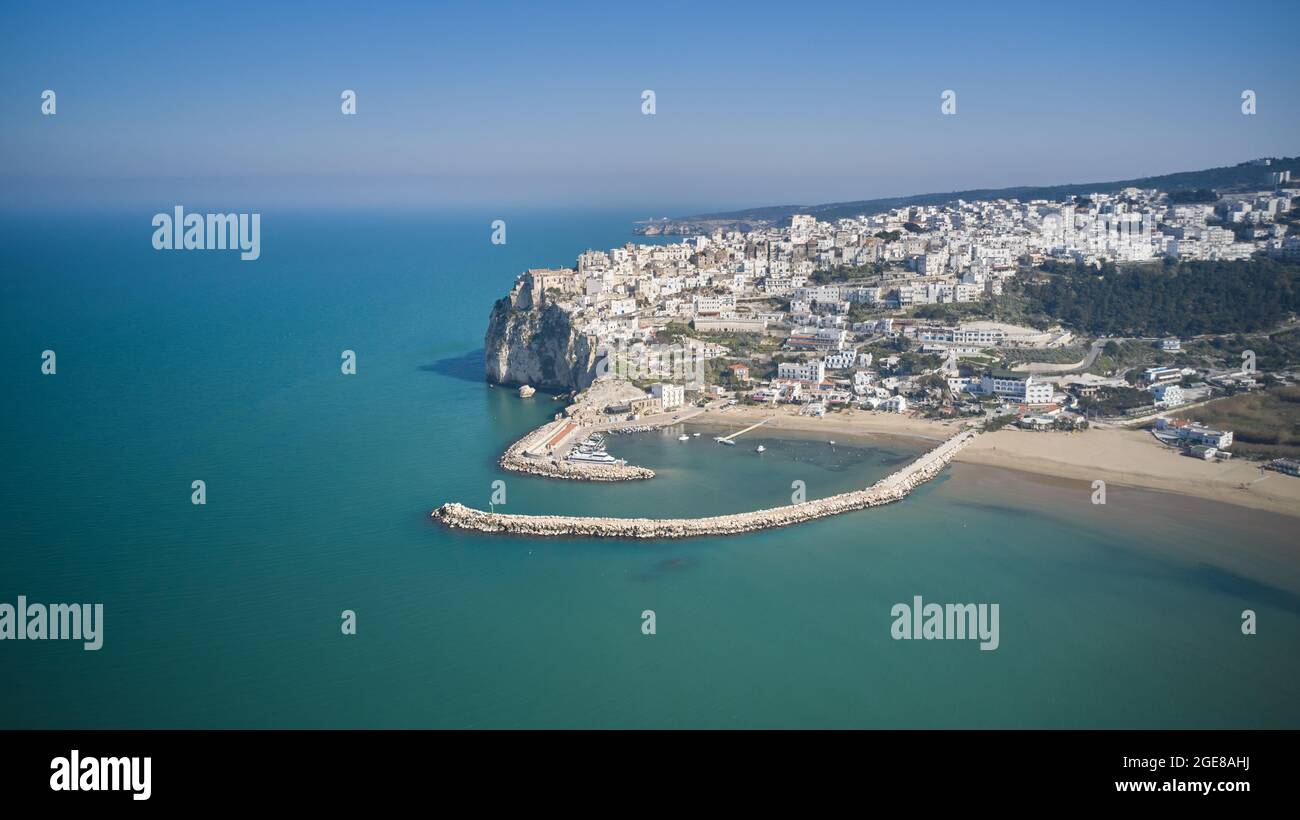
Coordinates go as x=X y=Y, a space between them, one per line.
x=758 y=103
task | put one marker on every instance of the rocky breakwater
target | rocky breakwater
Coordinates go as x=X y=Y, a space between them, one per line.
x=532 y=339
x=542 y=451
x=532 y=455
x=893 y=487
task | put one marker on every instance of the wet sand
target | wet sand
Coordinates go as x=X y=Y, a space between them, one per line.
x=1127 y=457
x=1134 y=458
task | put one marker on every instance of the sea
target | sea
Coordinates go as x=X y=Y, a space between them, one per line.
x=180 y=366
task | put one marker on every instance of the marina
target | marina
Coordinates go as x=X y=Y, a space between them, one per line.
x=893 y=487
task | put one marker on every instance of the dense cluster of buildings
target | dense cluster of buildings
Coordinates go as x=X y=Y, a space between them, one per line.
x=821 y=291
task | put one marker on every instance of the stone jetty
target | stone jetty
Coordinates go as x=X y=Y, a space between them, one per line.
x=892 y=488
x=533 y=454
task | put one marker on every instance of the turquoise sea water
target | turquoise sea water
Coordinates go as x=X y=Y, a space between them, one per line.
x=190 y=365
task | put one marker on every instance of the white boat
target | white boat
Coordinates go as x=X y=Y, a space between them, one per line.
x=683 y=437
x=590 y=457
x=832 y=444
x=760 y=449
x=727 y=442
x=697 y=435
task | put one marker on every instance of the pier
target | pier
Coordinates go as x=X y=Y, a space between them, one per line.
x=740 y=433
x=893 y=487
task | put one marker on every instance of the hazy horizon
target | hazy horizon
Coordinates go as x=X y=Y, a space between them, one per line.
x=511 y=105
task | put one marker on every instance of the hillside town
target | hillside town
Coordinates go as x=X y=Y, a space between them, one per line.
x=822 y=317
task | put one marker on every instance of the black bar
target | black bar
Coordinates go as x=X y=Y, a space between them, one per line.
x=333 y=768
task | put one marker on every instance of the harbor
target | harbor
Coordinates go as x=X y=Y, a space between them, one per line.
x=893 y=487
x=573 y=445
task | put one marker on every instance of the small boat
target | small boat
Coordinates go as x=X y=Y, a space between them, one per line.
x=832 y=443
x=683 y=437
x=760 y=449
x=697 y=435
x=727 y=442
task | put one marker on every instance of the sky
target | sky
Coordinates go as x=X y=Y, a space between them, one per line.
x=475 y=104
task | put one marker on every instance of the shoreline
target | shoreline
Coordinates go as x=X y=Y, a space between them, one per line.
x=542 y=451
x=1142 y=462
x=1126 y=457
x=849 y=422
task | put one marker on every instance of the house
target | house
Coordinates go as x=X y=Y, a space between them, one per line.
x=1194 y=434
x=738 y=373
x=1161 y=374
x=840 y=360
x=671 y=395
x=1036 y=422
x=894 y=404
x=1170 y=345
x=642 y=406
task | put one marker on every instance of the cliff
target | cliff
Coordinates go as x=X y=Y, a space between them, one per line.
x=531 y=340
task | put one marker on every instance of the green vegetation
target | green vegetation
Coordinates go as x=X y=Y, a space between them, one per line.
x=1051 y=355
x=1274 y=352
x=912 y=363
x=998 y=422
x=951 y=313
x=743 y=344
x=1183 y=299
x=1188 y=196
x=848 y=274
x=1114 y=401
x=1265 y=423
x=1116 y=356
x=1011 y=307
x=675 y=329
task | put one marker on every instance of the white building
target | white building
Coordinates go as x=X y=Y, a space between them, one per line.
x=1207 y=436
x=1168 y=394
x=840 y=360
x=622 y=307
x=672 y=395
x=894 y=404
x=814 y=371
x=1019 y=387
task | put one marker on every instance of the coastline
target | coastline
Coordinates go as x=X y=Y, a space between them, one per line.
x=1126 y=457
x=894 y=487
x=1117 y=456
x=848 y=422
x=1139 y=461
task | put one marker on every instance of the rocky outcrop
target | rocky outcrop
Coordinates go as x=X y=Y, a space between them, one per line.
x=894 y=487
x=531 y=339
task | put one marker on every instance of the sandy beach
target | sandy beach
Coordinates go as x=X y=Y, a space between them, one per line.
x=847 y=422
x=1126 y=457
